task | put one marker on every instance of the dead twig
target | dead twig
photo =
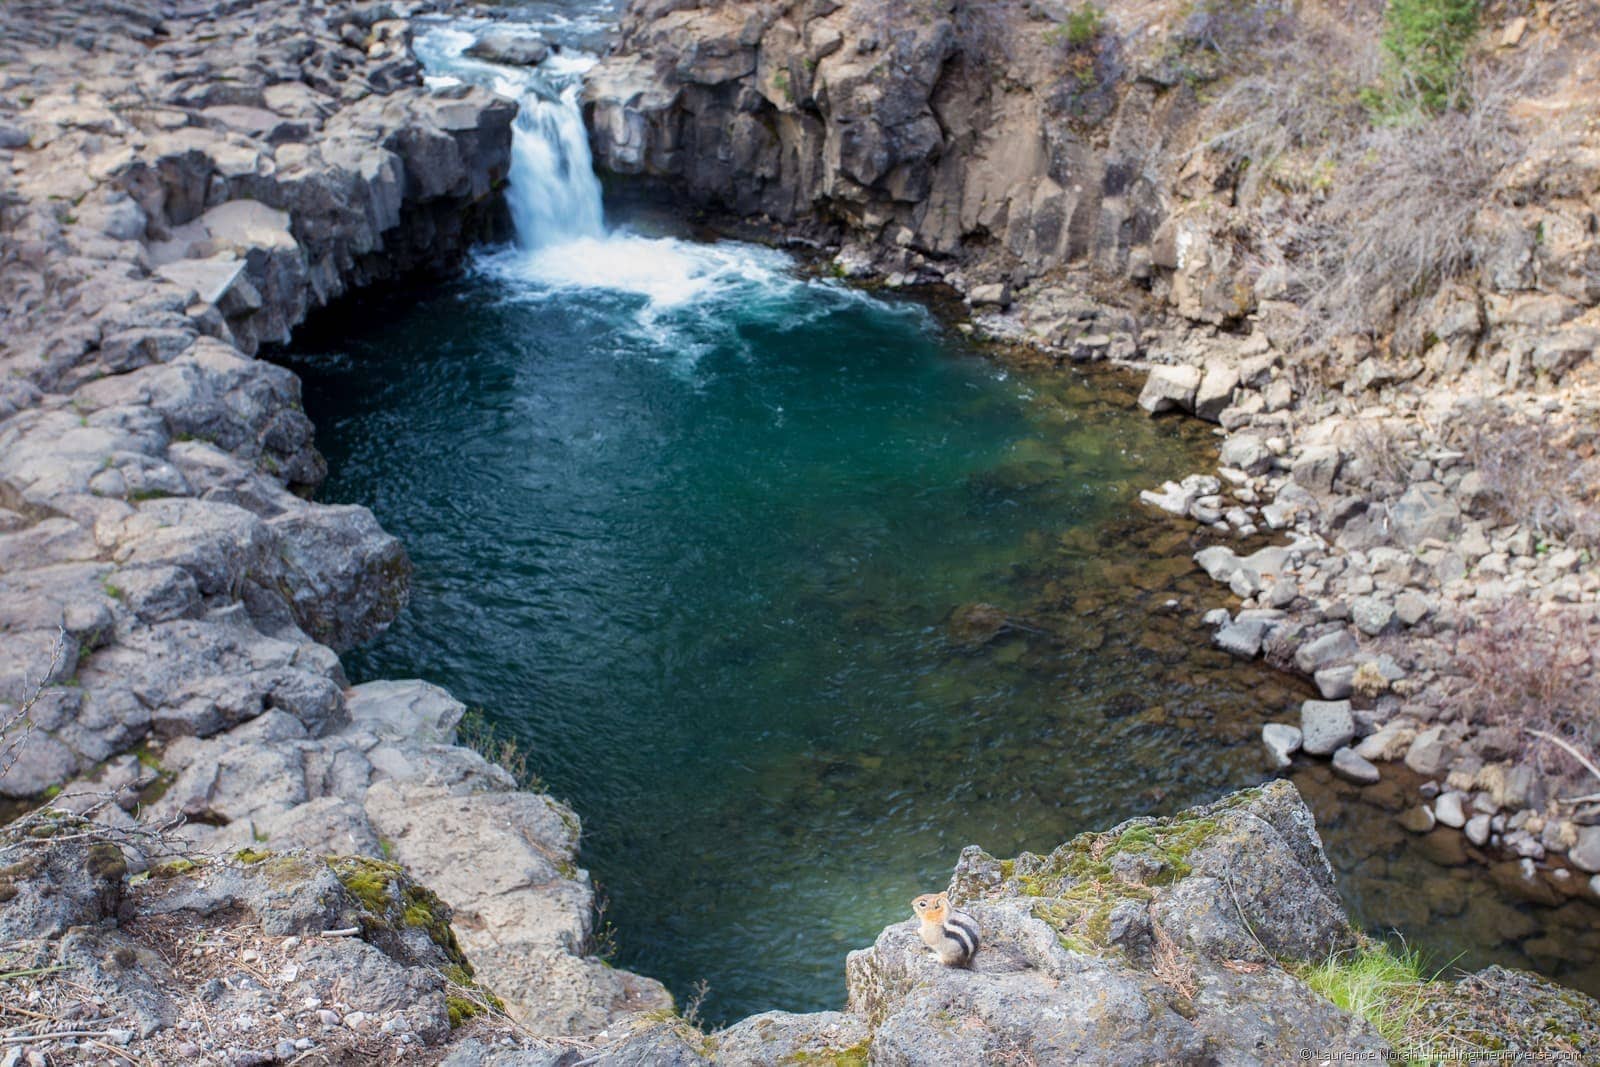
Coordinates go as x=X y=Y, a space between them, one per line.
x=1588 y=764
x=53 y=1035
x=11 y=750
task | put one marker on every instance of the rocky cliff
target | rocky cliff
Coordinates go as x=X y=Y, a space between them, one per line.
x=182 y=184
x=966 y=132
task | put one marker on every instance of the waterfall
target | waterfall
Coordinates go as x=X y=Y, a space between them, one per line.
x=554 y=194
x=692 y=292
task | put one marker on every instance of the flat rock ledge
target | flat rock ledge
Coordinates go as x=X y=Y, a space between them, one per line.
x=182 y=184
x=1184 y=940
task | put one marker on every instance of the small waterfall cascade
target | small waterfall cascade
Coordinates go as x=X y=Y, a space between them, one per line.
x=562 y=241
x=554 y=195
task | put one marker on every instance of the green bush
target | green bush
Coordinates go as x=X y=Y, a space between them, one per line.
x=1427 y=42
x=1080 y=29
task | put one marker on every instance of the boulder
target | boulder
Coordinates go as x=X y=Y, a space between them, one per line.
x=1585 y=854
x=1246 y=452
x=1241 y=639
x=774 y=1037
x=1325 y=651
x=1170 y=389
x=1216 y=389
x=1430 y=753
x=509 y=47
x=405 y=710
x=1371 y=615
x=996 y=294
x=1448 y=810
x=1335 y=683
x=1326 y=726
x=1069 y=971
x=1218 y=561
x=1424 y=512
x=1282 y=741
x=1317 y=468
x=1391 y=741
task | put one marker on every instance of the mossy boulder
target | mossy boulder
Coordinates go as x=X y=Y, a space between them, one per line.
x=1158 y=941
x=1513 y=1016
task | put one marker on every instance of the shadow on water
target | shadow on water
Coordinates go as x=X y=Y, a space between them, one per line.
x=795 y=596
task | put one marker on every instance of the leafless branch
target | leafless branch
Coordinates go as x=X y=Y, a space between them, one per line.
x=21 y=716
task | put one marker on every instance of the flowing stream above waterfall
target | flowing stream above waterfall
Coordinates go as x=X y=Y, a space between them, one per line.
x=788 y=591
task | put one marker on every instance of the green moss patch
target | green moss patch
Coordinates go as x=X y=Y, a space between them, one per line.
x=854 y=1056
x=1080 y=883
x=175 y=868
x=391 y=899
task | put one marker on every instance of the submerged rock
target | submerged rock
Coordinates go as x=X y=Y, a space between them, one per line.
x=974 y=625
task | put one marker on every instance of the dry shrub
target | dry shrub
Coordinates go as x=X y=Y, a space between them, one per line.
x=1378 y=451
x=1288 y=118
x=1539 y=475
x=1530 y=671
x=1398 y=222
x=1380 y=213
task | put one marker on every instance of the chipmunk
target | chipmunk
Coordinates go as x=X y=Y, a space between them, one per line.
x=953 y=935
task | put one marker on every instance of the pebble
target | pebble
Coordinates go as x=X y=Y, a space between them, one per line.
x=355 y=1019
x=328 y=1018
x=286 y=1049
x=1419 y=820
x=1478 y=830
x=120 y=1037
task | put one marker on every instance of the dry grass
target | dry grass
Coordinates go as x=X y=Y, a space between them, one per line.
x=1169 y=964
x=1379 y=451
x=1398 y=221
x=1286 y=119
x=1379 y=213
x=476 y=732
x=1541 y=475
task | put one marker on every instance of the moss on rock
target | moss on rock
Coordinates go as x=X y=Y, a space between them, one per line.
x=175 y=868
x=1080 y=883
